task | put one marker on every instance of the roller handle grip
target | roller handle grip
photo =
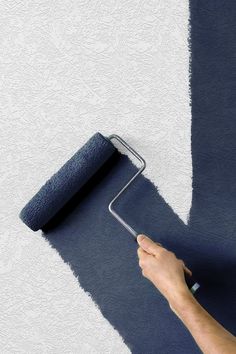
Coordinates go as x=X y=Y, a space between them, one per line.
x=192 y=284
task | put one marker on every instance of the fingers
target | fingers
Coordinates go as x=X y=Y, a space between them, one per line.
x=148 y=245
x=186 y=269
x=141 y=252
x=143 y=257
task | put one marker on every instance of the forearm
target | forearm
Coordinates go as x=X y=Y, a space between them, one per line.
x=210 y=336
x=166 y=272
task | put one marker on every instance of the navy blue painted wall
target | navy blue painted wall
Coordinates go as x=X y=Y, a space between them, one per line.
x=213 y=86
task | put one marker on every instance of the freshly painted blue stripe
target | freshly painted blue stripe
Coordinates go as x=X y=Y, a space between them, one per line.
x=103 y=256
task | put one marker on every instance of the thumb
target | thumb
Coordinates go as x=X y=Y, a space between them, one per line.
x=187 y=270
x=147 y=244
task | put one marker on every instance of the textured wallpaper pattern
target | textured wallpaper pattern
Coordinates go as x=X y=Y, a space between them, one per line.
x=67 y=70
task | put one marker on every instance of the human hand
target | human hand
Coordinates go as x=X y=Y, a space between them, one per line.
x=163 y=269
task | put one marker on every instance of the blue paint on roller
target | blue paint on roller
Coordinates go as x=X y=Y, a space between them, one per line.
x=61 y=187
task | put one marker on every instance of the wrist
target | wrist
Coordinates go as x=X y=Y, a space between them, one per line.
x=181 y=300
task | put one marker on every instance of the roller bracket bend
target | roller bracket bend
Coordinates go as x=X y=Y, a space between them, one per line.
x=143 y=166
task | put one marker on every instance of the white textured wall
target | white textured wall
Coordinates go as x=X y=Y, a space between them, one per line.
x=67 y=70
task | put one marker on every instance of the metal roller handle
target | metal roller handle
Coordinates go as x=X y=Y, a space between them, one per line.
x=143 y=166
x=192 y=284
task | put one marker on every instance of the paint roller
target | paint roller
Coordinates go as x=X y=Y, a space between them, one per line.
x=72 y=176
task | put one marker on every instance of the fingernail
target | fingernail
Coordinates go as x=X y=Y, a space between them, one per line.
x=140 y=238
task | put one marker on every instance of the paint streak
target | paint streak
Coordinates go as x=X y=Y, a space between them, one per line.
x=105 y=261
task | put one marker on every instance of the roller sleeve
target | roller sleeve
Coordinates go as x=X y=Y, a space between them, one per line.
x=65 y=183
